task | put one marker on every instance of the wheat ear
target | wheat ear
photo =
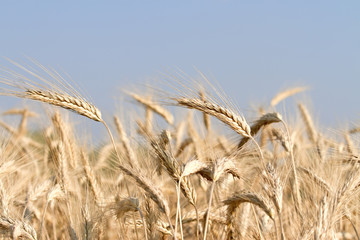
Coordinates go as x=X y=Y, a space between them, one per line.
x=206 y=117
x=220 y=166
x=275 y=192
x=242 y=197
x=154 y=107
x=354 y=130
x=126 y=143
x=171 y=165
x=317 y=179
x=77 y=105
x=350 y=145
x=154 y=193
x=285 y=94
x=90 y=175
x=313 y=136
x=236 y=122
x=261 y=122
x=293 y=165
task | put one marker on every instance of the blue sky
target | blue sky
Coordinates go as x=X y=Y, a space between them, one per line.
x=259 y=46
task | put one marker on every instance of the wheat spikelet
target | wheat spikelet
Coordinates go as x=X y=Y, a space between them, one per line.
x=245 y=197
x=23 y=112
x=350 y=145
x=22 y=129
x=206 y=117
x=281 y=138
x=224 y=145
x=236 y=122
x=275 y=191
x=242 y=197
x=192 y=167
x=313 y=136
x=196 y=139
x=103 y=155
x=179 y=133
x=23 y=139
x=285 y=94
x=74 y=104
x=126 y=143
x=62 y=168
x=55 y=193
x=323 y=230
x=16 y=229
x=182 y=146
x=220 y=167
x=65 y=135
x=191 y=217
x=318 y=180
x=59 y=93
x=347 y=190
x=148 y=119
x=146 y=184
x=34 y=194
x=4 y=200
x=354 y=130
x=125 y=205
x=154 y=193
x=94 y=185
x=172 y=166
x=152 y=217
x=264 y=120
x=154 y=107
x=87 y=223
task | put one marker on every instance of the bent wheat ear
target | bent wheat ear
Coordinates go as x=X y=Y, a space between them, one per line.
x=285 y=94
x=242 y=197
x=154 y=107
x=55 y=91
x=236 y=122
x=74 y=104
x=264 y=120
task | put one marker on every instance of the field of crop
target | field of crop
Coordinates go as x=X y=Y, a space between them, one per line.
x=208 y=173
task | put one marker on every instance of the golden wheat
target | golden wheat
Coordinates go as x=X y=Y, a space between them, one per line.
x=188 y=181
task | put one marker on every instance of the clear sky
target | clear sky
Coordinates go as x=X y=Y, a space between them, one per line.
x=252 y=49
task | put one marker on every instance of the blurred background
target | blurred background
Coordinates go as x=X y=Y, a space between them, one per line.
x=252 y=49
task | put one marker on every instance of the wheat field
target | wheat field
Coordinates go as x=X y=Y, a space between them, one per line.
x=192 y=168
